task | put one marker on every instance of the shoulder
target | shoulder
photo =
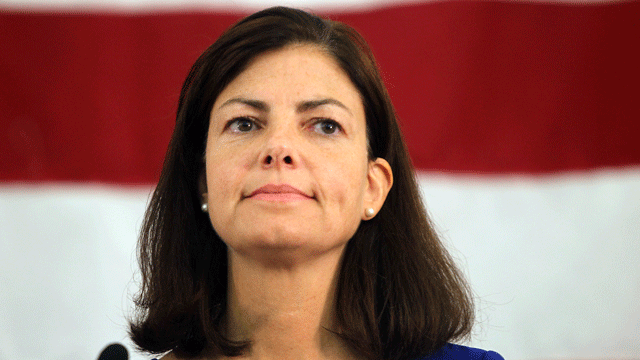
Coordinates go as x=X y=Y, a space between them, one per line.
x=459 y=352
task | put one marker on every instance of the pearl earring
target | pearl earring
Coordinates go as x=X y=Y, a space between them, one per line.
x=370 y=212
x=204 y=207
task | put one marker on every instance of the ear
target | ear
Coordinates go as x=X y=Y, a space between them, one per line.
x=379 y=182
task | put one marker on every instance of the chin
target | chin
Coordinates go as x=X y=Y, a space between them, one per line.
x=285 y=248
x=277 y=238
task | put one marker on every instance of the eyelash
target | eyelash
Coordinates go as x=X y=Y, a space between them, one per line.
x=256 y=126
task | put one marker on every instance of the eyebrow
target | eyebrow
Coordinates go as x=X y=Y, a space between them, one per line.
x=256 y=104
x=301 y=107
x=312 y=104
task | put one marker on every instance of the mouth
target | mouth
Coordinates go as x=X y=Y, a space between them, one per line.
x=279 y=193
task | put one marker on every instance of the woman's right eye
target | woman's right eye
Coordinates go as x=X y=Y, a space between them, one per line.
x=242 y=124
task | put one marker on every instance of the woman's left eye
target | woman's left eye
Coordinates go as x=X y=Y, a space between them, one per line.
x=326 y=127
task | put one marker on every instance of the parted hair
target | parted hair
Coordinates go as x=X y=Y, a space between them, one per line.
x=399 y=294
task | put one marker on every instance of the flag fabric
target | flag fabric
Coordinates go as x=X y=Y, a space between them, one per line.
x=521 y=118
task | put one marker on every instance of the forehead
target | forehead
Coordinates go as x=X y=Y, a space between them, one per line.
x=296 y=71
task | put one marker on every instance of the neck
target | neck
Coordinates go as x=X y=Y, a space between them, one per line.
x=285 y=311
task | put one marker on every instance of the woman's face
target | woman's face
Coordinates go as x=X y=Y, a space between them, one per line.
x=286 y=157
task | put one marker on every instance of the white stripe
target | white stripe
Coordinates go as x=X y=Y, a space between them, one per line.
x=67 y=261
x=552 y=259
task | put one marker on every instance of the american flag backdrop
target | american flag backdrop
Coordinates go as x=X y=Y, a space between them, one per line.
x=522 y=118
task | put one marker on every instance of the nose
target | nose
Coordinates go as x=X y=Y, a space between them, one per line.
x=274 y=159
x=279 y=152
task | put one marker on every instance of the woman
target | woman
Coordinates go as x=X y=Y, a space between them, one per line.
x=287 y=222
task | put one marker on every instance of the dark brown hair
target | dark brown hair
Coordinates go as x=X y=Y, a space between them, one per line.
x=399 y=294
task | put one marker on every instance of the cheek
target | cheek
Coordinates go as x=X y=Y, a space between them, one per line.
x=224 y=174
x=345 y=184
x=223 y=185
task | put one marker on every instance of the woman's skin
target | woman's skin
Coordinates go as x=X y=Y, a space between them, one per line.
x=289 y=182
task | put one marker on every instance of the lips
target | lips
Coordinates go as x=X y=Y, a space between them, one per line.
x=281 y=193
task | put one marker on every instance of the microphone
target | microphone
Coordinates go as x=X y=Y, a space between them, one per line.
x=114 y=351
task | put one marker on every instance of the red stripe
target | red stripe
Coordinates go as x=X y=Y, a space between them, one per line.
x=479 y=87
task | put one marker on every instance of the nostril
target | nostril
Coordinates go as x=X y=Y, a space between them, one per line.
x=288 y=160
x=268 y=160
